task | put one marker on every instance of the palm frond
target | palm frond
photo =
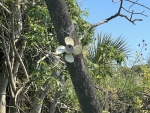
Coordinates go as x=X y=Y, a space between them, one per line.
x=120 y=44
x=94 y=53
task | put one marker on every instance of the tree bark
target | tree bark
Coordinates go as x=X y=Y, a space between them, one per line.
x=38 y=100
x=78 y=70
x=3 y=85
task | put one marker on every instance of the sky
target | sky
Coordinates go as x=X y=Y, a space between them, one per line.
x=133 y=34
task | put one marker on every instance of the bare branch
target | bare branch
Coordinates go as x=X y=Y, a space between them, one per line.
x=138 y=4
x=20 y=60
x=119 y=14
x=141 y=13
x=5 y=8
x=104 y=21
x=43 y=58
x=115 y=1
x=130 y=19
x=8 y=64
x=133 y=4
x=108 y=19
x=47 y=55
x=22 y=90
x=4 y=28
x=16 y=64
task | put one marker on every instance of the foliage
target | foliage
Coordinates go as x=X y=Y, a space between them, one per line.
x=41 y=40
x=105 y=52
x=145 y=83
x=38 y=57
x=81 y=25
x=124 y=92
x=124 y=89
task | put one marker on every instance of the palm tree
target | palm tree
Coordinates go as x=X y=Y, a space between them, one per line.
x=105 y=51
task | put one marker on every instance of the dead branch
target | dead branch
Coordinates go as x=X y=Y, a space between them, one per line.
x=132 y=13
x=138 y=4
x=130 y=19
x=132 y=5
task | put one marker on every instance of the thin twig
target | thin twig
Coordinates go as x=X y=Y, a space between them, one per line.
x=133 y=4
x=132 y=13
x=130 y=19
x=138 y=4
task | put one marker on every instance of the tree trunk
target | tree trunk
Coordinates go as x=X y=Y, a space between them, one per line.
x=78 y=70
x=38 y=100
x=3 y=85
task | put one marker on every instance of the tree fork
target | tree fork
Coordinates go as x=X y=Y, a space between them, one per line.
x=80 y=77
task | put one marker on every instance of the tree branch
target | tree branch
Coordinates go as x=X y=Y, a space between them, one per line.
x=130 y=19
x=20 y=60
x=8 y=65
x=4 y=28
x=103 y=21
x=16 y=63
x=119 y=14
x=5 y=8
x=138 y=4
x=21 y=91
x=132 y=13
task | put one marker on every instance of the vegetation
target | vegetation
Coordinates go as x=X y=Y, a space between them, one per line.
x=34 y=79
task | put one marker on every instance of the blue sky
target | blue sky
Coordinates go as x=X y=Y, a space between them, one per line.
x=134 y=34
